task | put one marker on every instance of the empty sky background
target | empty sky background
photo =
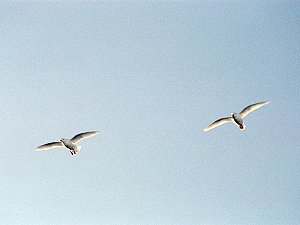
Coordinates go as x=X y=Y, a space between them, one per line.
x=150 y=77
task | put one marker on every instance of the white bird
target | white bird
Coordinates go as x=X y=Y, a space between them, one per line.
x=237 y=118
x=68 y=143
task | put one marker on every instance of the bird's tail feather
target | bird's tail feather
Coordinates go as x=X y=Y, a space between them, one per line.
x=78 y=148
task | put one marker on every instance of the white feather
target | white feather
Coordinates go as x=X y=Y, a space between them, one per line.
x=251 y=108
x=218 y=123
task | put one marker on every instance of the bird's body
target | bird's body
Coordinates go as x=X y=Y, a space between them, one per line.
x=237 y=118
x=68 y=143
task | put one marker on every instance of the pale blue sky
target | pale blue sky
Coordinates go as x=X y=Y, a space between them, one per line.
x=150 y=77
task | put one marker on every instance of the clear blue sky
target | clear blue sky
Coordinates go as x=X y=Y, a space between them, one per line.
x=150 y=77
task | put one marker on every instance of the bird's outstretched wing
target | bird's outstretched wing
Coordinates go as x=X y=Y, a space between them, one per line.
x=79 y=137
x=49 y=146
x=218 y=123
x=251 y=108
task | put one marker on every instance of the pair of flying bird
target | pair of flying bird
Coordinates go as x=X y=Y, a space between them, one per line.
x=236 y=118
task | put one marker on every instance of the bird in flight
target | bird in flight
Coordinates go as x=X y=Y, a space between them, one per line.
x=68 y=143
x=237 y=118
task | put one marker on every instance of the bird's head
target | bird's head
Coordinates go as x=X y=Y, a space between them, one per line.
x=242 y=127
x=62 y=140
